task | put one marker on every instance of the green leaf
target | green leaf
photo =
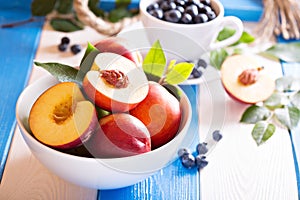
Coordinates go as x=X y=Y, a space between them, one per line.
x=254 y=114
x=288 y=116
x=63 y=73
x=217 y=57
x=295 y=99
x=246 y=38
x=155 y=61
x=88 y=50
x=225 y=33
x=94 y=7
x=119 y=13
x=87 y=64
x=42 y=7
x=122 y=3
x=179 y=73
x=287 y=84
x=228 y=32
x=66 y=25
x=288 y=52
x=276 y=100
x=262 y=131
x=64 y=6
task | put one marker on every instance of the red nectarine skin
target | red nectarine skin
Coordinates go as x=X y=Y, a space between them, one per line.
x=118 y=46
x=160 y=112
x=119 y=135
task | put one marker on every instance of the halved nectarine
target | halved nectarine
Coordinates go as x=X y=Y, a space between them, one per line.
x=245 y=80
x=61 y=117
x=119 y=86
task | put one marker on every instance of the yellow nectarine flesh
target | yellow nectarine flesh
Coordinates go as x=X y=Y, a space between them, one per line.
x=61 y=117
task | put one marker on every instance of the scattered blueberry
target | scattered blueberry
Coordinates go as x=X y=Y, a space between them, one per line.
x=197 y=73
x=202 y=63
x=217 y=136
x=183 y=151
x=62 y=47
x=202 y=148
x=65 y=40
x=188 y=161
x=194 y=8
x=201 y=161
x=76 y=48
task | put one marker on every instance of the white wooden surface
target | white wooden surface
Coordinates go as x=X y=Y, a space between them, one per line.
x=237 y=169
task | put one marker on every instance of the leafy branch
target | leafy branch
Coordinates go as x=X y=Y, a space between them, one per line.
x=282 y=108
x=63 y=17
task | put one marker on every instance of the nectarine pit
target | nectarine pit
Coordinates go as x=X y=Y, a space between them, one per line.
x=115 y=78
x=63 y=111
x=249 y=76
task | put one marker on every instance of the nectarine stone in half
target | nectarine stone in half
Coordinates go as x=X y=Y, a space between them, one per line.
x=119 y=86
x=245 y=80
x=61 y=117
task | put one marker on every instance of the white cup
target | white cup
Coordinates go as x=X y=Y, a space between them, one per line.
x=190 y=41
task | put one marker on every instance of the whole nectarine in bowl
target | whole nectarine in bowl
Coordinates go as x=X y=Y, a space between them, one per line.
x=89 y=171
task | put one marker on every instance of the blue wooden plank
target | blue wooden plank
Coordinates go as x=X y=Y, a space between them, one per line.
x=18 y=48
x=172 y=182
x=293 y=69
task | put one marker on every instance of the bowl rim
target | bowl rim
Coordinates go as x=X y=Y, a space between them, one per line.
x=89 y=159
x=145 y=3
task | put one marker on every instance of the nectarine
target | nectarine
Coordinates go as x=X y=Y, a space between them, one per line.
x=120 y=46
x=119 y=86
x=244 y=79
x=160 y=112
x=119 y=135
x=61 y=117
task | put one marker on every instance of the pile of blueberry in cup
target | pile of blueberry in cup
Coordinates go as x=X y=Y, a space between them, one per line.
x=182 y=11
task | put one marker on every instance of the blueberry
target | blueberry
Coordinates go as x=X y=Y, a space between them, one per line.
x=180 y=8
x=188 y=161
x=205 y=9
x=211 y=15
x=180 y=2
x=217 y=136
x=158 y=13
x=206 y=2
x=62 y=47
x=197 y=73
x=183 y=151
x=201 y=63
x=76 y=48
x=192 y=10
x=152 y=6
x=201 y=18
x=172 y=16
x=201 y=162
x=202 y=148
x=186 y=18
x=65 y=40
x=165 y=6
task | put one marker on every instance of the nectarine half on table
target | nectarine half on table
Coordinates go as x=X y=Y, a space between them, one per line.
x=61 y=117
x=245 y=80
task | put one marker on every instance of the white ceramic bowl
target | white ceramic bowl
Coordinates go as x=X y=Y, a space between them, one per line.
x=91 y=172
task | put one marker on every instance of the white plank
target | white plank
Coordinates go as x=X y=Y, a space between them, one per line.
x=238 y=168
